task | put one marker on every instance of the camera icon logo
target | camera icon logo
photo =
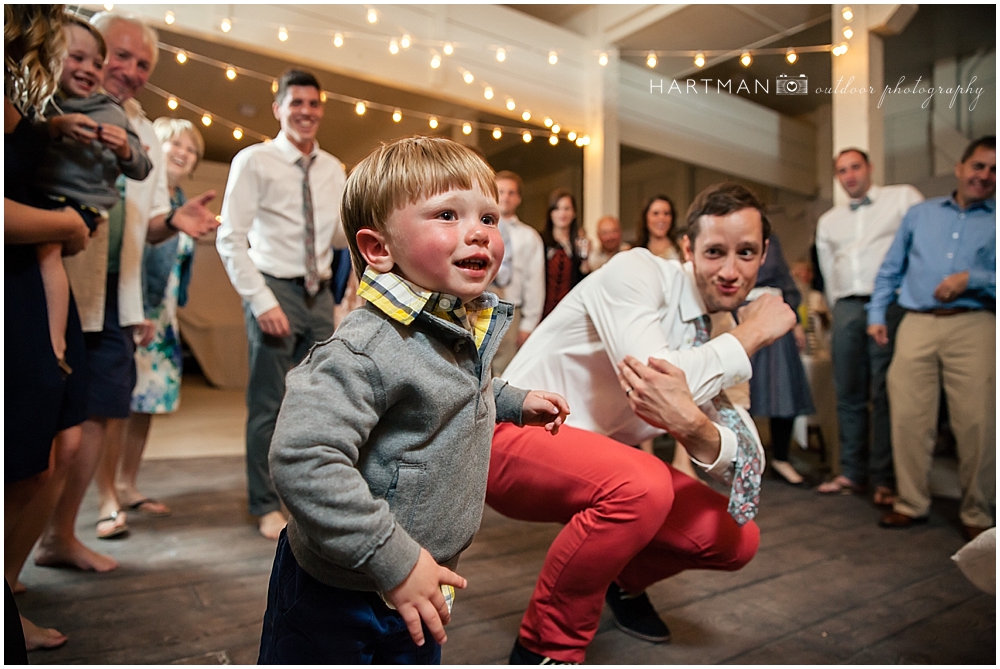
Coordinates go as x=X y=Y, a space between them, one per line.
x=792 y=86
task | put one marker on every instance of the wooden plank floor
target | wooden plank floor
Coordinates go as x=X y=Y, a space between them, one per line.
x=828 y=586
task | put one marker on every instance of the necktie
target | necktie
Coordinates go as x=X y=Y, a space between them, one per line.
x=744 y=497
x=860 y=203
x=312 y=274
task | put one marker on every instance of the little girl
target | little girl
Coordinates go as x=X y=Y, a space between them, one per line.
x=92 y=145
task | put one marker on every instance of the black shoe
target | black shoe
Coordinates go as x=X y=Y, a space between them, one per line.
x=521 y=655
x=636 y=615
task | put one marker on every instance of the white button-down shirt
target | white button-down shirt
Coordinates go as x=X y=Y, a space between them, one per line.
x=637 y=305
x=527 y=285
x=852 y=244
x=263 y=228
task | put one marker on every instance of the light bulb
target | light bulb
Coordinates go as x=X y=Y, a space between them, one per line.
x=526 y=136
x=746 y=59
x=602 y=60
x=168 y=18
x=372 y=16
x=322 y=96
x=547 y=122
x=360 y=108
x=651 y=59
x=405 y=41
x=488 y=93
x=397 y=116
x=448 y=49
x=553 y=58
x=393 y=47
x=433 y=122
x=699 y=60
x=586 y=140
x=206 y=120
x=556 y=128
x=579 y=141
x=274 y=86
x=791 y=57
x=501 y=54
x=840 y=49
x=848 y=32
x=466 y=128
x=497 y=133
x=238 y=133
x=338 y=40
x=511 y=105
x=571 y=135
x=225 y=27
x=435 y=61
x=230 y=73
x=526 y=115
x=172 y=103
x=847 y=14
x=182 y=57
x=108 y=6
x=553 y=139
x=468 y=77
x=283 y=33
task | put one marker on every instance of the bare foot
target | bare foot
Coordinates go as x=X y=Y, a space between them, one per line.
x=36 y=637
x=787 y=472
x=75 y=556
x=271 y=524
x=841 y=484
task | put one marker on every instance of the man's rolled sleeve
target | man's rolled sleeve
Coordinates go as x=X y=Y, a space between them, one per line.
x=722 y=468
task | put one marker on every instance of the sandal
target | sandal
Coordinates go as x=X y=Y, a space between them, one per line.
x=116 y=529
x=147 y=506
x=884 y=496
x=842 y=485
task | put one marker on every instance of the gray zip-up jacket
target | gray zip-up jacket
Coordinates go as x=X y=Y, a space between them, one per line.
x=382 y=445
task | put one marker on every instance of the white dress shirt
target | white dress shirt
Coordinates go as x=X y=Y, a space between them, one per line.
x=527 y=285
x=852 y=244
x=263 y=229
x=642 y=306
x=144 y=200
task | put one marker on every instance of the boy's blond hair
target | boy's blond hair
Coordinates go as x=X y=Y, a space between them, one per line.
x=397 y=174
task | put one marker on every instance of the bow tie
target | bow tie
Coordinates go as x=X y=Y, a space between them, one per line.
x=860 y=203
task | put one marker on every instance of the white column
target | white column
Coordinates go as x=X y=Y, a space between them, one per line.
x=601 y=158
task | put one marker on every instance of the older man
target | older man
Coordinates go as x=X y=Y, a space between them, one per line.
x=107 y=284
x=609 y=234
x=943 y=261
x=630 y=519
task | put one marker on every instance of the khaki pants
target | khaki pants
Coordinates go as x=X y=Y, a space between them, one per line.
x=958 y=351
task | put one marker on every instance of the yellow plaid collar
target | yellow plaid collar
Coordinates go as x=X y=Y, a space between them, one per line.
x=403 y=301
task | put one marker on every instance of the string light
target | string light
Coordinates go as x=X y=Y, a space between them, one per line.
x=548 y=122
x=699 y=60
x=746 y=59
x=526 y=115
x=338 y=40
x=466 y=128
x=283 y=34
x=435 y=61
x=651 y=60
x=840 y=49
x=579 y=141
x=360 y=108
x=393 y=47
x=602 y=60
x=501 y=54
x=553 y=58
x=556 y=128
x=586 y=140
x=168 y=18
x=488 y=93
x=791 y=56
x=467 y=76
x=322 y=96
x=433 y=122
x=274 y=86
x=238 y=133
x=108 y=6
x=172 y=103
x=511 y=105
x=225 y=27
x=230 y=73
x=571 y=135
x=847 y=14
x=405 y=41
x=526 y=136
x=448 y=49
x=497 y=133
x=848 y=32
x=206 y=120
x=553 y=139
x=372 y=16
x=397 y=116
x=181 y=57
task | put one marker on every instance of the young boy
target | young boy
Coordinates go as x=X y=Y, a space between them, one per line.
x=93 y=144
x=382 y=443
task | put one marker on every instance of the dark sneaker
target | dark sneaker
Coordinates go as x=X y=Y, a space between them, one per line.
x=635 y=615
x=521 y=655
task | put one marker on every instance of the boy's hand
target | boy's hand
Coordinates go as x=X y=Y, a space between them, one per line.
x=419 y=597
x=116 y=139
x=78 y=127
x=544 y=408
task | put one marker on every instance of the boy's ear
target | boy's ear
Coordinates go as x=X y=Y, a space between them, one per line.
x=374 y=249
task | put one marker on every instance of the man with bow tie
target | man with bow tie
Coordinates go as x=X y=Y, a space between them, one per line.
x=851 y=241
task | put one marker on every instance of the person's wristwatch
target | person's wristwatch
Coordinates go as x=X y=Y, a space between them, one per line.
x=169 y=221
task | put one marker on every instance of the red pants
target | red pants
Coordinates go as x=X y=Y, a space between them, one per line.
x=630 y=518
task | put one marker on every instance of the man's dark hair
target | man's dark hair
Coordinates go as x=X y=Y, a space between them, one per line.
x=852 y=149
x=295 y=78
x=720 y=200
x=986 y=142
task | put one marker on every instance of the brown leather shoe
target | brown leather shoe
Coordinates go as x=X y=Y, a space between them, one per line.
x=894 y=520
x=970 y=532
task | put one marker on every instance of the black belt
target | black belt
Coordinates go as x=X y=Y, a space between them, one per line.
x=946 y=312
x=299 y=280
x=857 y=298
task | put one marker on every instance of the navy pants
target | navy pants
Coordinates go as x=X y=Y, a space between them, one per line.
x=309 y=622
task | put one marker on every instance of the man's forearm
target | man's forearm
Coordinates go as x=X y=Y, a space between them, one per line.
x=158 y=230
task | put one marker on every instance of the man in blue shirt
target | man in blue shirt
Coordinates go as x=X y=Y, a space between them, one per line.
x=943 y=261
